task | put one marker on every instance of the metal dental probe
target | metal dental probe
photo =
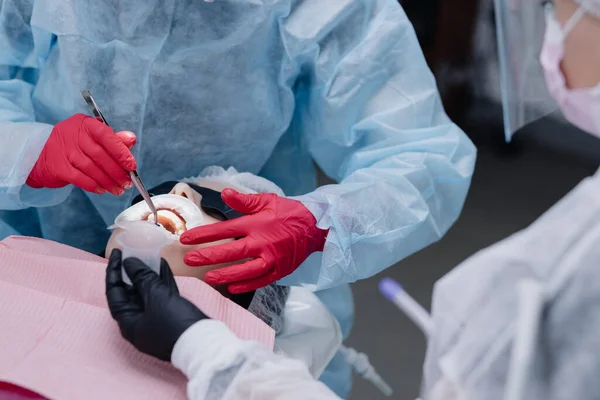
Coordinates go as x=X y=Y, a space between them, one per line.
x=135 y=178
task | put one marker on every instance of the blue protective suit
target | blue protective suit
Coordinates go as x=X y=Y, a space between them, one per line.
x=266 y=86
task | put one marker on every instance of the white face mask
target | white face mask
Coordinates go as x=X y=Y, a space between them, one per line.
x=580 y=106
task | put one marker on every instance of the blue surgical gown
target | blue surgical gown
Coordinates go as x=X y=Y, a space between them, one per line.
x=267 y=86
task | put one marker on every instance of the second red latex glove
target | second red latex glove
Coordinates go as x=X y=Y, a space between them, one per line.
x=84 y=152
x=277 y=235
x=9 y=391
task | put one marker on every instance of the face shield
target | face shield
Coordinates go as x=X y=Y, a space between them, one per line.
x=521 y=29
x=520 y=26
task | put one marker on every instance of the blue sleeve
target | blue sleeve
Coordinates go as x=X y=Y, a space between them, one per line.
x=23 y=50
x=372 y=116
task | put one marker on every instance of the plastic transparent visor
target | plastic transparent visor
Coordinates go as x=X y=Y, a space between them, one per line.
x=520 y=27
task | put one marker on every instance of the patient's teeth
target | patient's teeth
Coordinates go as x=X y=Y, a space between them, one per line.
x=170 y=221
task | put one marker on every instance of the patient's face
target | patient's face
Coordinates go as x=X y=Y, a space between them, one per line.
x=177 y=223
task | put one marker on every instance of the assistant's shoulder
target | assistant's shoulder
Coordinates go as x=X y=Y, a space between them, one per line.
x=343 y=22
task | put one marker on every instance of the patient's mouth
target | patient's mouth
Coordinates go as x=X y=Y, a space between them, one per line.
x=169 y=219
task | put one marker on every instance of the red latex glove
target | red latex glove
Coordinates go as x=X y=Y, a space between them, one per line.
x=86 y=153
x=8 y=391
x=278 y=235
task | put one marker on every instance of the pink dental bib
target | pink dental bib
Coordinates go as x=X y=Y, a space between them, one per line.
x=57 y=337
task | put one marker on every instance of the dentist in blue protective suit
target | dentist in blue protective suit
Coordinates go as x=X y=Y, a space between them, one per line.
x=266 y=86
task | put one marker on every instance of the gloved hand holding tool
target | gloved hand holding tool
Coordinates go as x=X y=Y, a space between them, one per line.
x=151 y=314
x=86 y=153
x=276 y=235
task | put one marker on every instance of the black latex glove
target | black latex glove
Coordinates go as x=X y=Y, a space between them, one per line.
x=151 y=314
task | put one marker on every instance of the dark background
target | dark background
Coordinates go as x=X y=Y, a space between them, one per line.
x=513 y=185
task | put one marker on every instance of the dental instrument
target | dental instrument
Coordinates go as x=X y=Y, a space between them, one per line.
x=135 y=178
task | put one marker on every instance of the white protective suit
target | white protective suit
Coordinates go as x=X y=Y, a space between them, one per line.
x=220 y=366
x=520 y=320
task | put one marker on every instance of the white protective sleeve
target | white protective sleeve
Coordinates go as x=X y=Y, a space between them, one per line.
x=221 y=366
